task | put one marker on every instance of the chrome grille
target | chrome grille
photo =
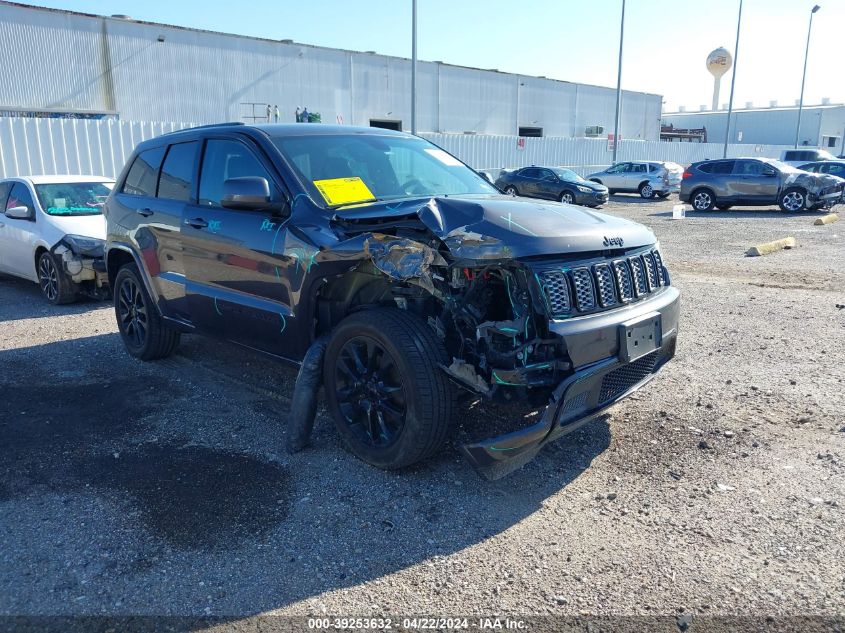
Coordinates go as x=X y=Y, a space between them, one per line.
x=605 y=286
x=583 y=283
x=623 y=280
x=601 y=285
x=658 y=260
x=556 y=289
x=651 y=270
x=640 y=284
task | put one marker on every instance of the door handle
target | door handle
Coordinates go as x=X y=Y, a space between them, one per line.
x=197 y=223
x=147 y=212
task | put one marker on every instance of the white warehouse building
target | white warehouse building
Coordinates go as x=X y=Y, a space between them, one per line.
x=65 y=64
x=821 y=125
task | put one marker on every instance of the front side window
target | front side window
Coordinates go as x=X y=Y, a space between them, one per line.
x=567 y=175
x=224 y=159
x=20 y=196
x=177 y=172
x=836 y=169
x=618 y=169
x=73 y=198
x=375 y=167
x=143 y=175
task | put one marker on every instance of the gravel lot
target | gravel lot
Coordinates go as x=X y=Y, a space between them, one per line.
x=719 y=489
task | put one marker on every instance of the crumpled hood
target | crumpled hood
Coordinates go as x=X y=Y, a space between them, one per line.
x=812 y=181
x=498 y=227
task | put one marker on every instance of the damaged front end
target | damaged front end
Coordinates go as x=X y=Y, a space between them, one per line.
x=83 y=262
x=516 y=322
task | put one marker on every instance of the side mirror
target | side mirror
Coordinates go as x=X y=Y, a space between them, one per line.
x=769 y=173
x=19 y=213
x=249 y=193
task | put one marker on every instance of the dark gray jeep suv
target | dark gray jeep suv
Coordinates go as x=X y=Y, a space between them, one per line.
x=391 y=273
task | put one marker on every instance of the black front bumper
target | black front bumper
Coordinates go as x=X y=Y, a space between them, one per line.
x=601 y=379
x=592 y=199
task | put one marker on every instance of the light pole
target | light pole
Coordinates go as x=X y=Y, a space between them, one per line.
x=619 y=86
x=804 y=76
x=413 y=66
x=733 y=81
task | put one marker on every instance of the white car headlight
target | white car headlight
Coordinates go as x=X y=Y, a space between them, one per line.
x=584 y=189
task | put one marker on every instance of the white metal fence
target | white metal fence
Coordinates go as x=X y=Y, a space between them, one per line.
x=84 y=146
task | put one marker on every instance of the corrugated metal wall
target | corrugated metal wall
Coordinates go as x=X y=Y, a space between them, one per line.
x=61 y=60
x=35 y=147
x=84 y=146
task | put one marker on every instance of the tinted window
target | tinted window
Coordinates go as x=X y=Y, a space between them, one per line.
x=177 y=172
x=546 y=174
x=530 y=172
x=143 y=175
x=719 y=167
x=4 y=193
x=223 y=160
x=748 y=168
x=20 y=196
x=837 y=169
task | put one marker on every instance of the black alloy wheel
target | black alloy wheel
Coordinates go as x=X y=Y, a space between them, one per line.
x=132 y=312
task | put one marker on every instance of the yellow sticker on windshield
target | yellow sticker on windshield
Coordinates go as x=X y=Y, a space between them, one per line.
x=344 y=190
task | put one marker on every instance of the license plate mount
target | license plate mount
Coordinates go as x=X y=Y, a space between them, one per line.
x=640 y=336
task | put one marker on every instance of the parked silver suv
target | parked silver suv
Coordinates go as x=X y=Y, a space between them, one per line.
x=757 y=182
x=649 y=178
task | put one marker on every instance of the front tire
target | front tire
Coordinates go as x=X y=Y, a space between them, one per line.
x=792 y=200
x=567 y=197
x=703 y=200
x=391 y=402
x=55 y=285
x=646 y=191
x=141 y=327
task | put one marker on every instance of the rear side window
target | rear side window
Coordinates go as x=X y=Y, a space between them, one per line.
x=177 y=172
x=4 y=193
x=143 y=175
x=721 y=167
x=224 y=159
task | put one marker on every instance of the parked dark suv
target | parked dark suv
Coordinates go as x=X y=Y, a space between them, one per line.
x=415 y=275
x=757 y=182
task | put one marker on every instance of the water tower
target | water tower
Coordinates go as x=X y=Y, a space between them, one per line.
x=718 y=63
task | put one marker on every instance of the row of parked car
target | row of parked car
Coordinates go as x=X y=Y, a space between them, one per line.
x=706 y=185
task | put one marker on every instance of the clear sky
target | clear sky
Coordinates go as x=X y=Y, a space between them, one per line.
x=666 y=41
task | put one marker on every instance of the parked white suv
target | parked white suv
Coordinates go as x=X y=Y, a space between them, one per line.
x=52 y=231
x=648 y=178
x=798 y=157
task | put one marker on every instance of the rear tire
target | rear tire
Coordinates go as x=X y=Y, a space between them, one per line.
x=793 y=200
x=141 y=327
x=391 y=402
x=55 y=285
x=702 y=200
x=511 y=190
x=646 y=191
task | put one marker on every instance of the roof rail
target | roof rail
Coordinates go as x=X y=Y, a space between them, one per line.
x=203 y=127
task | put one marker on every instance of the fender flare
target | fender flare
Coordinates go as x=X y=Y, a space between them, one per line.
x=126 y=248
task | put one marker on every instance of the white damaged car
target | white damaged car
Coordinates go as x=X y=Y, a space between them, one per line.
x=52 y=232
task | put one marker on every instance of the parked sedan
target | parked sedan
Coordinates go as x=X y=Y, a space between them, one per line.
x=648 y=178
x=757 y=182
x=552 y=183
x=52 y=232
x=832 y=167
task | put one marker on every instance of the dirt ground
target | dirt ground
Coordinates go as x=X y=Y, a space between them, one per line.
x=718 y=489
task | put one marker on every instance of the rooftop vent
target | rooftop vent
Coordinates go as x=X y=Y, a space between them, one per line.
x=702 y=108
x=773 y=103
x=749 y=105
x=825 y=100
x=121 y=16
x=725 y=106
x=286 y=41
x=682 y=108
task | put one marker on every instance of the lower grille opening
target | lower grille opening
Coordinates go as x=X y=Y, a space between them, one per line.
x=617 y=382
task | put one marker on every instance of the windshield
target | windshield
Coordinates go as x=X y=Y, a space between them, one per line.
x=346 y=169
x=567 y=175
x=73 y=198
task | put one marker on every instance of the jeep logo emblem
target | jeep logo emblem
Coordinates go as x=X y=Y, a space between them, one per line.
x=613 y=241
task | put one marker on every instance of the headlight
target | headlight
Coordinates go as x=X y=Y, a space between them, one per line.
x=88 y=246
x=584 y=189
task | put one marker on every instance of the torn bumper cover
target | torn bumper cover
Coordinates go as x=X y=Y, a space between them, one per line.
x=82 y=260
x=595 y=385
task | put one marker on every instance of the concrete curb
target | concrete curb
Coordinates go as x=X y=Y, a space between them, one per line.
x=830 y=218
x=771 y=247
